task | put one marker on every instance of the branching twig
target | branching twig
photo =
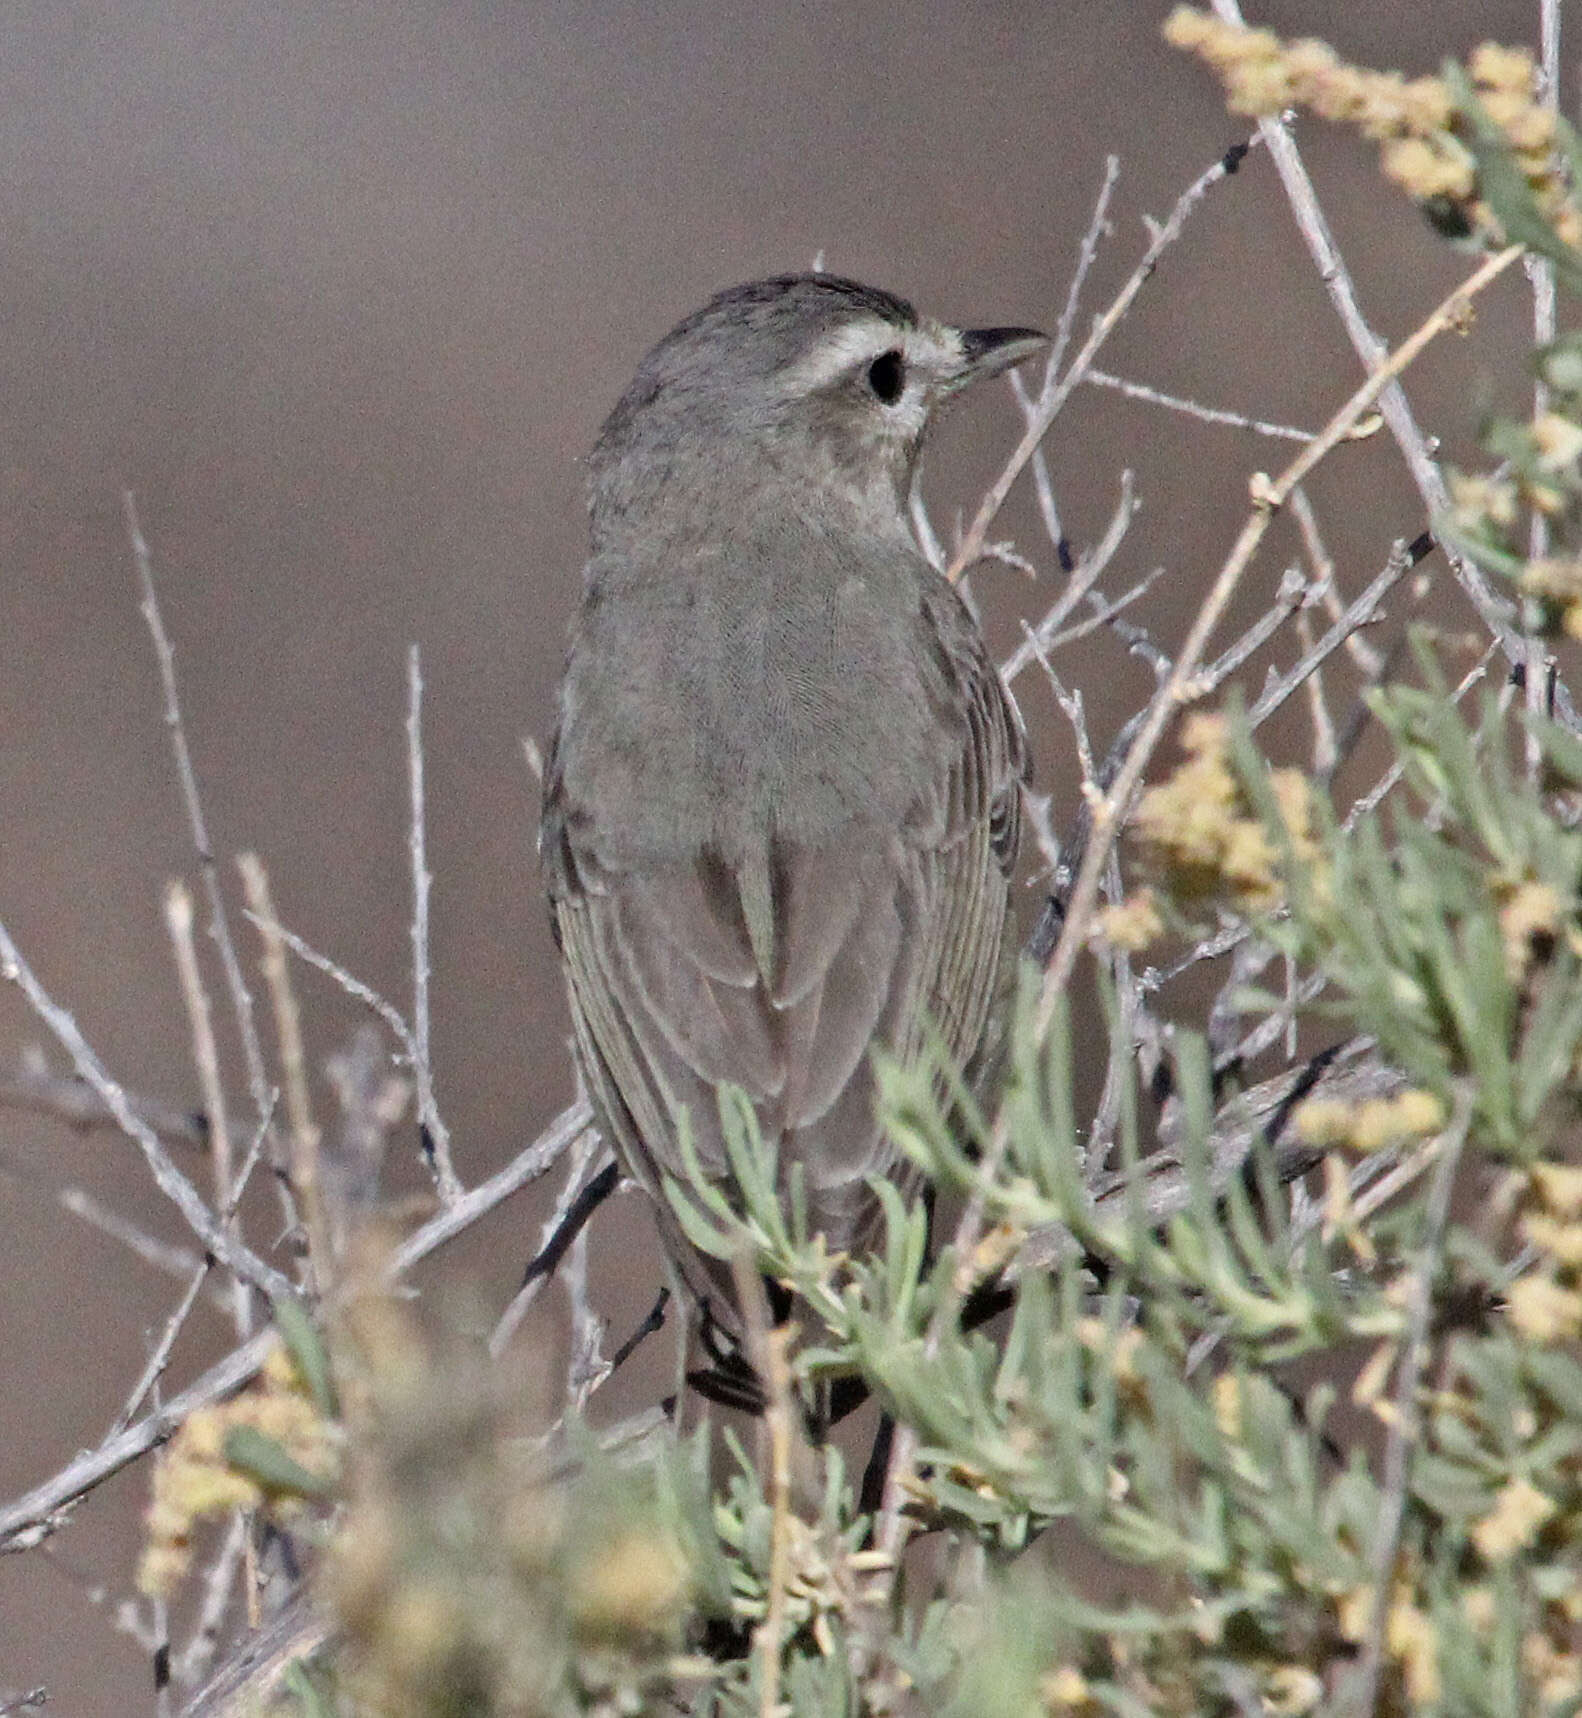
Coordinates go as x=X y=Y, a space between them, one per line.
x=73 y=1101
x=1271 y=497
x=26 y=1520
x=167 y=1177
x=1360 y=613
x=219 y=924
x=159 y=1359
x=1058 y=389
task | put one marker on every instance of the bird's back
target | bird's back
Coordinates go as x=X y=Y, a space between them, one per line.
x=776 y=829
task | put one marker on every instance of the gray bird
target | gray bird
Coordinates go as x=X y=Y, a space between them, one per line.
x=781 y=807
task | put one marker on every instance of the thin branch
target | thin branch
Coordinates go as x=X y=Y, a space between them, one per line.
x=353 y=987
x=1043 y=484
x=1089 y=571
x=1270 y=497
x=194 y=1659
x=230 y=1252
x=1192 y=409
x=583 y=1155
x=161 y=1255
x=28 y=1519
x=283 y=1001
x=1057 y=390
x=476 y=1202
x=435 y=1134
x=1087 y=255
x=1326 y=748
x=219 y=924
x=206 y=1058
x=159 y=1359
x=1541 y=279
x=1290 y=597
x=1368 y=660
x=1361 y=612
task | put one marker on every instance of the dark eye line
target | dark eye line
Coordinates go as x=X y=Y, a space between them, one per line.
x=887 y=376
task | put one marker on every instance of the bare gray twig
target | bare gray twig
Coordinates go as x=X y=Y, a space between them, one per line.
x=167 y=1177
x=219 y=924
x=28 y=1519
x=436 y=1134
x=1191 y=408
x=1058 y=389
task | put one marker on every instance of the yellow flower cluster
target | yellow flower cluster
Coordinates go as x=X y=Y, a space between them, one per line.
x=1410 y=1638
x=1203 y=840
x=1520 y=1510
x=1414 y=120
x=1133 y=923
x=195 y=1481
x=1545 y=1305
x=1556 y=582
x=1504 y=81
x=1327 y=1123
x=1532 y=917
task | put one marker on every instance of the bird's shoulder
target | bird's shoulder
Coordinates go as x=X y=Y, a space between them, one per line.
x=798 y=679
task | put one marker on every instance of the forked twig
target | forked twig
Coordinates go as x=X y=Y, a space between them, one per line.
x=26 y=1520
x=1271 y=496
x=1058 y=389
x=230 y=1252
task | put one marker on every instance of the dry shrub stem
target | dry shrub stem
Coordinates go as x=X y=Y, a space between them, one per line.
x=1179 y=688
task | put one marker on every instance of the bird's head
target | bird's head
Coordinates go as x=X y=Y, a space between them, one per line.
x=806 y=392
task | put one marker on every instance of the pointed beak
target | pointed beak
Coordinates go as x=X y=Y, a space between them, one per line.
x=992 y=351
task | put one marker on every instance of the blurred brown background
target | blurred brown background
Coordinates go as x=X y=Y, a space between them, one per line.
x=342 y=292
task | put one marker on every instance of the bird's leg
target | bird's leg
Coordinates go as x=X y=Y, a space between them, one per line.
x=572 y=1224
x=654 y=1321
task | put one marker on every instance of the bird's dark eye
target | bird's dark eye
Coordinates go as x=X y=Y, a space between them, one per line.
x=887 y=376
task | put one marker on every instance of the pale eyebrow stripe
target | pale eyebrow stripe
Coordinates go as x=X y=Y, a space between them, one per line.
x=932 y=344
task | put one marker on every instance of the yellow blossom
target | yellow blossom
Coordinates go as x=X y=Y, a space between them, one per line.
x=1559 y=1186
x=1542 y=1310
x=636 y=1584
x=1496 y=67
x=1553 y=578
x=1557 y=439
x=1133 y=923
x=1291 y=1690
x=1481 y=1608
x=1426 y=170
x=1520 y=1509
x=1561 y=1240
x=1226 y=1395
x=1064 y=1689
x=194 y=1481
x=1480 y=498
x=1412 y=1640
x=1323 y=1122
x=1415 y=121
